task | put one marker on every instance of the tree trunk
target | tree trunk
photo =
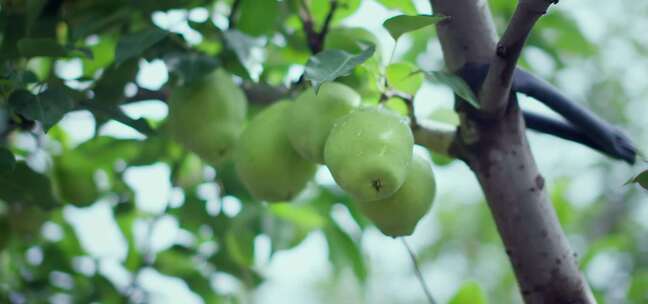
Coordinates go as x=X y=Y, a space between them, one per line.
x=496 y=149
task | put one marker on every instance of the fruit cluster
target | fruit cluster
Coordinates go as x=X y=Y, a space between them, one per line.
x=369 y=150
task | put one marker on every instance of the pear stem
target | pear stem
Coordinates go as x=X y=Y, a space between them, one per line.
x=417 y=270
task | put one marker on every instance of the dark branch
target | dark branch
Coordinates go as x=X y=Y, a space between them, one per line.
x=260 y=93
x=605 y=137
x=494 y=94
x=312 y=38
x=146 y=94
x=316 y=39
x=611 y=140
x=568 y=132
x=233 y=14
x=407 y=98
x=256 y=93
x=327 y=23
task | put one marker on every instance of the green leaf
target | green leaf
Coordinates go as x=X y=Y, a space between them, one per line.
x=176 y=261
x=249 y=51
x=5 y=227
x=350 y=39
x=331 y=64
x=103 y=55
x=193 y=213
x=240 y=246
x=47 y=47
x=26 y=186
x=399 y=25
x=305 y=217
x=188 y=67
x=102 y=112
x=258 y=17
x=397 y=105
x=469 y=293
x=403 y=77
x=109 y=89
x=610 y=242
x=47 y=107
x=641 y=179
x=566 y=36
x=405 y=6
x=7 y=160
x=34 y=8
x=637 y=292
x=458 y=85
x=93 y=22
x=134 y=44
x=126 y=223
x=343 y=251
x=3 y=120
x=320 y=9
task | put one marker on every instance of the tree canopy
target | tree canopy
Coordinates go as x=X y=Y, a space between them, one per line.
x=98 y=200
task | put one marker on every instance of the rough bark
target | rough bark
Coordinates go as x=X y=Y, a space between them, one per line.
x=497 y=85
x=496 y=149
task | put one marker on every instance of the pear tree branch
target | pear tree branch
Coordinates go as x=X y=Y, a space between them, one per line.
x=327 y=22
x=435 y=136
x=314 y=38
x=494 y=94
x=233 y=13
x=498 y=152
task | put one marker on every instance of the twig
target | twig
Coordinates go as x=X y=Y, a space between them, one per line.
x=316 y=39
x=407 y=98
x=257 y=93
x=233 y=11
x=494 y=94
x=306 y=18
x=437 y=137
x=145 y=94
x=417 y=270
x=327 y=23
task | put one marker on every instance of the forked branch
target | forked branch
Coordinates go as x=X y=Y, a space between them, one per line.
x=494 y=94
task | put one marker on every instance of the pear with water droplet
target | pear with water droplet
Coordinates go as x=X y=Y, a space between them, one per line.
x=312 y=116
x=207 y=116
x=266 y=162
x=398 y=214
x=368 y=152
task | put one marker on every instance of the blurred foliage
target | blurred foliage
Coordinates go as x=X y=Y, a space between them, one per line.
x=111 y=39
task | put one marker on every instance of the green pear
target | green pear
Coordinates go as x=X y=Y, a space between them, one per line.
x=208 y=115
x=266 y=162
x=190 y=172
x=398 y=214
x=312 y=116
x=368 y=152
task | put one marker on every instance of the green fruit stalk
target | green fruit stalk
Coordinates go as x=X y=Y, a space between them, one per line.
x=368 y=152
x=311 y=117
x=266 y=162
x=207 y=116
x=398 y=214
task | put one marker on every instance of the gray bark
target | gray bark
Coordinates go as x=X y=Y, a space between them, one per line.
x=496 y=149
